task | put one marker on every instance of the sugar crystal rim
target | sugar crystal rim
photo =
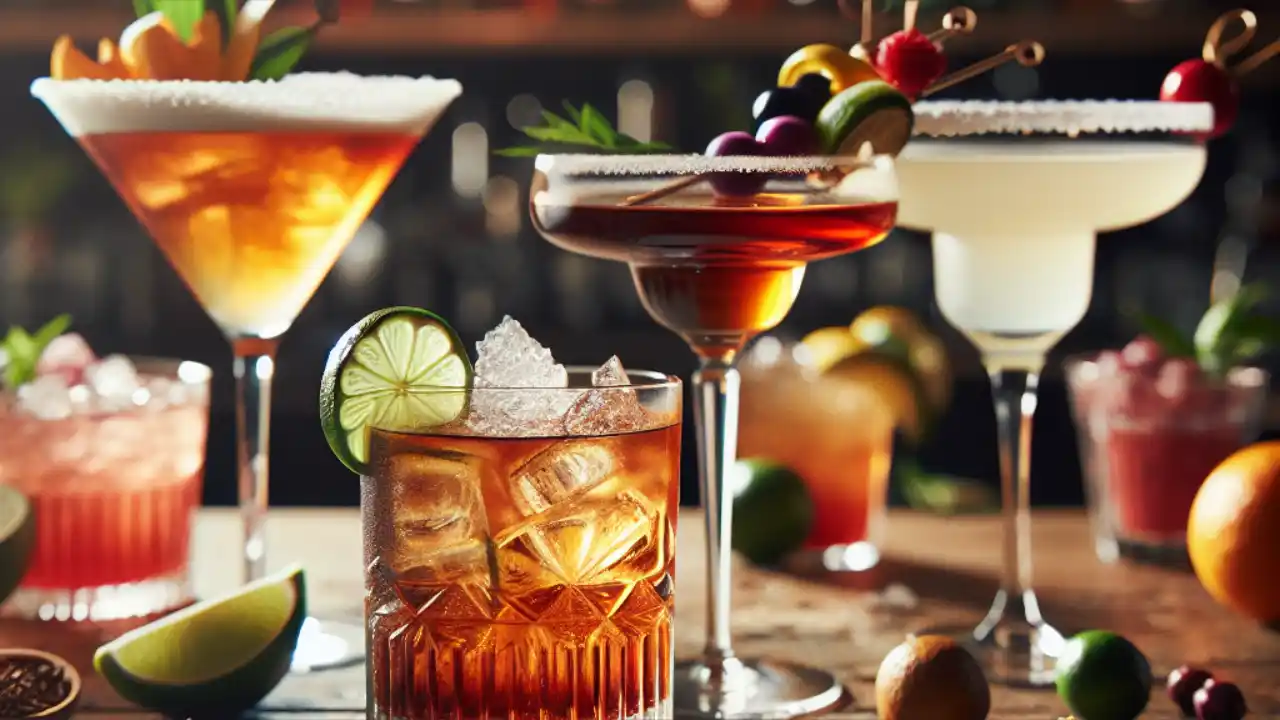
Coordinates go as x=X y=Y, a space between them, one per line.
x=340 y=101
x=952 y=118
x=681 y=165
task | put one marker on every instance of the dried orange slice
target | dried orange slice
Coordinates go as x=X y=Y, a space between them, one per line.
x=109 y=58
x=237 y=61
x=206 y=49
x=151 y=49
x=68 y=63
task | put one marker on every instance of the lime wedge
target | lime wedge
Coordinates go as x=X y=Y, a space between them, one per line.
x=873 y=111
x=17 y=539
x=216 y=658
x=386 y=372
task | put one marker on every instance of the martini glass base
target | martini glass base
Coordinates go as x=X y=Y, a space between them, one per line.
x=327 y=645
x=753 y=688
x=1012 y=651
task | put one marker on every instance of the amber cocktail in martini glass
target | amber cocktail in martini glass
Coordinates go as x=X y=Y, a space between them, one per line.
x=252 y=190
x=718 y=268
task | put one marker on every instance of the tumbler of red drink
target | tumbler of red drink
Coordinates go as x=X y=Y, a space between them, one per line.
x=1149 y=435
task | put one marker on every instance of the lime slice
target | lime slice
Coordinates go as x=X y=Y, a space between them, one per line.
x=772 y=510
x=386 y=372
x=216 y=658
x=895 y=383
x=829 y=345
x=17 y=539
x=898 y=332
x=873 y=111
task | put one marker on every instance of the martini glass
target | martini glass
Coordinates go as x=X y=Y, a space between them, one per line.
x=1015 y=194
x=252 y=191
x=717 y=270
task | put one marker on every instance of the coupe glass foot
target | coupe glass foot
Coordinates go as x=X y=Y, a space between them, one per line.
x=327 y=645
x=757 y=689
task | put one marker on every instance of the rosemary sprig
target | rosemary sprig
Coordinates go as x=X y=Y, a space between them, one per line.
x=584 y=129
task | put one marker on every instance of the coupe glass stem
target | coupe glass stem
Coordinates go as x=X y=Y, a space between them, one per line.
x=715 y=411
x=1014 y=393
x=254 y=368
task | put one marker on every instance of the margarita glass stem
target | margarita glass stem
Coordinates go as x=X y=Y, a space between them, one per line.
x=1014 y=391
x=254 y=368
x=715 y=412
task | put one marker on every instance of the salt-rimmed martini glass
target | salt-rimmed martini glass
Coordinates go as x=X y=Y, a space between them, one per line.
x=252 y=190
x=717 y=248
x=1015 y=194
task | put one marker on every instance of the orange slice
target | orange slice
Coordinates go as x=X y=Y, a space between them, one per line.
x=243 y=44
x=68 y=63
x=109 y=58
x=206 y=49
x=151 y=49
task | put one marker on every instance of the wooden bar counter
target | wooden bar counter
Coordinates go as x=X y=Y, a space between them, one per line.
x=949 y=565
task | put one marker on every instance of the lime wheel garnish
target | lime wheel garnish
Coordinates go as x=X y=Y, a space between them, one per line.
x=400 y=368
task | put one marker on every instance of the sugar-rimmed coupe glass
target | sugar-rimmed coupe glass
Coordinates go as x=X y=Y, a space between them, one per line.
x=1015 y=195
x=717 y=248
x=252 y=190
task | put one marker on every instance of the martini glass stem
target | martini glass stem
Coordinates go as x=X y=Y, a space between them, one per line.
x=254 y=368
x=715 y=409
x=1015 y=394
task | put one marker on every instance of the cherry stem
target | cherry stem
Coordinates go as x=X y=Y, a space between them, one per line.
x=1254 y=61
x=958 y=21
x=1027 y=53
x=909 y=12
x=1216 y=49
x=868 y=31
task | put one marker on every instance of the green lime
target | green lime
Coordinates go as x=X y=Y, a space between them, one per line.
x=897 y=384
x=872 y=111
x=772 y=510
x=17 y=539
x=387 y=371
x=216 y=658
x=1102 y=676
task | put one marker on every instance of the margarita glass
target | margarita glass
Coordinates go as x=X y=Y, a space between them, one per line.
x=1014 y=222
x=252 y=190
x=717 y=270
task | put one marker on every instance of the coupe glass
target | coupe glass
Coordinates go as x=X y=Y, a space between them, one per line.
x=717 y=249
x=1014 y=217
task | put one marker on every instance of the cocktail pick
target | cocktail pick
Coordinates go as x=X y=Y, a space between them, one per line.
x=1027 y=53
x=1219 y=48
x=865 y=17
x=909 y=11
x=1209 y=78
x=958 y=21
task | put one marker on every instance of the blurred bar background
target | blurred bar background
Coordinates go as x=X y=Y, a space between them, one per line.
x=453 y=235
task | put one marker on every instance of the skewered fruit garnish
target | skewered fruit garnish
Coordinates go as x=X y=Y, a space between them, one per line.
x=1200 y=81
x=735 y=142
x=837 y=65
x=910 y=61
x=870 y=112
x=788 y=136
x=932 y=677
x=1182 y=685
x=1220 y=701
x=802 y=100
x=151 y=49
x=1102 y=676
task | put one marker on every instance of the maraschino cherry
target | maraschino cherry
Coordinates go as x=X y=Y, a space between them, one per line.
x=910 y=61
x=1201 y=81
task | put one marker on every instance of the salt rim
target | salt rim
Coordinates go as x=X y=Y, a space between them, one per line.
x=305 y=101
x=949 y=118
x=682 y=165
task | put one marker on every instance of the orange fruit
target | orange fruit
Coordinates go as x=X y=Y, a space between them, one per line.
x=68 y=63
x=930 y=676
x=1233 y=533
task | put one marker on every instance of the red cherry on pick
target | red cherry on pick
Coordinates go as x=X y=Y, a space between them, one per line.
x=1200 y=81
x=910 y=61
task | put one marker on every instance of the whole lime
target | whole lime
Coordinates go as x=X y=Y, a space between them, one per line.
x=1102 y=676
x=772 y=510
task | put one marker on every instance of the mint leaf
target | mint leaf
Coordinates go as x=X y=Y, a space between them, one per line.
x=593 y=124
x=280 y=51
x=584 y=130
x=183 y=15
x=142 y=8
x=23 y=350
x=1169 y=338
x=1229 y=333
x=519 y=151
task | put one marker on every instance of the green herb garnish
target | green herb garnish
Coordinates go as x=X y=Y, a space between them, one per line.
x=1230 y=333
x=584 y=130
x=277 y=54
x=22 y=350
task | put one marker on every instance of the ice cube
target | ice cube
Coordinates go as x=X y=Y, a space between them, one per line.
x=508 y=357
x=113 y=380
x=68 y=355
x=48 y=397
x=436 y=511
x=559 y=473
x=606 y=412
x=582 y=539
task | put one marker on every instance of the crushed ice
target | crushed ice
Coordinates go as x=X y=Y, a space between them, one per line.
x=71 y=380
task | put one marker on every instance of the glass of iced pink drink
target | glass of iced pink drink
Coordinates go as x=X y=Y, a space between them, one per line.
x=1151 y=429
x=110 y=454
